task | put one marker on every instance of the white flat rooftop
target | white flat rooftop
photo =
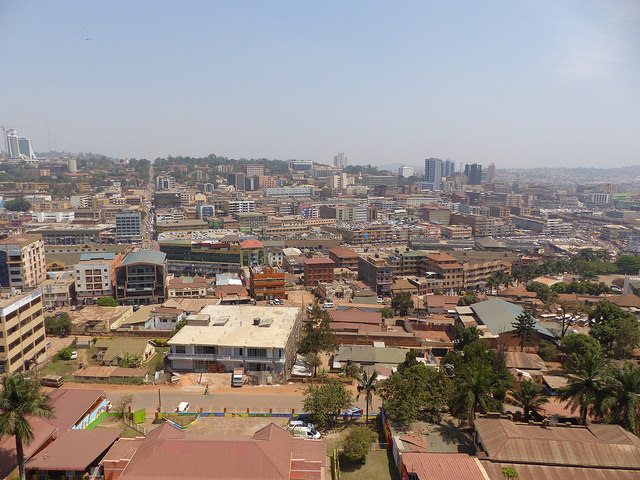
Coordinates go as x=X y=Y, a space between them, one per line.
x=235 y=326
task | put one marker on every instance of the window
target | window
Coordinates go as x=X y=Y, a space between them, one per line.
x=257 y=352
x=179 y=349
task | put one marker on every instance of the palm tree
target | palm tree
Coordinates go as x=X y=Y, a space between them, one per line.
x=367 y=386
x=528 y=396
x=622 y=402
x=21 y=398
x=472 y=394
x=586 y=383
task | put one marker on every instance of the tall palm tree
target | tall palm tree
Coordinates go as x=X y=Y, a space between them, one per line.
x=528 y=396
x=367 y=385
x=586 y=375
x=472 y=393
x=622 y=402
x=21 y=398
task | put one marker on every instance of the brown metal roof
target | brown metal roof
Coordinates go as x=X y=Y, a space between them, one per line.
x=546 y=472
x=593 y=446
x=75 y=450
x=318 y=261
x=356 y=315
x=343 y=252
x=42 y=432
x=70 y=406
x=524 y=361
x=443 y=466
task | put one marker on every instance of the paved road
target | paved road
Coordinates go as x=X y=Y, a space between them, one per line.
x=217 y=402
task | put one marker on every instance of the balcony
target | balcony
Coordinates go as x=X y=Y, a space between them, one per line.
x=217 y=357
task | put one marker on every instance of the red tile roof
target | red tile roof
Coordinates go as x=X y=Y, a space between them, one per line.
x=443 y=466
x=318 y=261
x=251 y=243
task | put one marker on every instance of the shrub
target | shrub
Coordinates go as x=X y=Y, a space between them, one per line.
x=548 y=351
x=357 y=444
x=64 y=353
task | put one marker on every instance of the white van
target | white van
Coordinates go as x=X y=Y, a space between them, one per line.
x=306 y=431
x=328 y=304
x=183 y=407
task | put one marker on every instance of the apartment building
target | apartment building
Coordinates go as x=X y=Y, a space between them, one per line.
x=318 y=269
x=344 y=257
x=253 y=169
x=22 y=261
x=437 y=215
x=141 y=278
x=476 y=272
x=266 y=283
x=22 y=333
x=187 y=287
x=289 y=192
x=365 y=234
x=95 y=275
x=447 y=268
x=129 y=226
x=251 y=221
x=457 y=231
x=376 y=272
x=59 y=290
x=222 y=338
x=238 y=206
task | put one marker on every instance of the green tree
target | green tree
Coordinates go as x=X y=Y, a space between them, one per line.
x=130 y=360
x=628 y=264
x=548 y=351
x=410 y=359
x=387 y=312
x=585 y=383
x=64 y=353
x=58 y=325
x=179 y=326
x=529 y=396
x=617 y=330
x=464 y=336
x=357 y=444
x=417 y=391
x=469 y=298
x=367 y=386
x=352 y=370
x=313 y=360
x=326 y=401
x=570 y=311
x=402 y=303
x=579 y=344
x=543 y=292
x=123 y=404
x=622 y=401
x=107 y=302
x=472 y=394
x=317 y=335
x=20 y=399
x=17 y=205
x=524 y=328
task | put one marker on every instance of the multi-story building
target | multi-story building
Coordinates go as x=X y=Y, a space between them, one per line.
x=59 y=289
x=344 y=257
x=267 y=181
x=318 y=269
x=238 y=180
x=71 y=234
x=439 y=215
x=364 y=234
x=275 y=257
x=433 y=174
x=221 y=338
x=289 y=192
x=301 y=165
x=405 y=171
x=340 y=160
x=95 y=275
x=309 y=211
x=253 y=169
x=476 y=272
x=205 y=211
x=166 y=182
x=457 y=231
x=182 y=226
x=22 y=333
x=53 y=217
x=474 y=173
x=448 y=168
x=129 y=226
x=447 y=268
x=491 y=173
x=251 y=221
x=22 y=261
x=375 y=271
x=141 y=278
x=187 y=287
x=266 y=283
x=240 y=206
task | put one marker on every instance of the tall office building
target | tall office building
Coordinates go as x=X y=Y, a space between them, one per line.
x=18 y=147
x=340 y=160
x=166 y=183
x=491 y=173
x=405 y=171
x=474 y=173
x=253 y=169
x=22 y=261
x=433 y=173
x=449 y=168
x=129 y=226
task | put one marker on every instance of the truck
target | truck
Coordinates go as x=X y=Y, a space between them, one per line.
x=237 y=379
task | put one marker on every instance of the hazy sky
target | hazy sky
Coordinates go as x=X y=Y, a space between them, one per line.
x=519 y=83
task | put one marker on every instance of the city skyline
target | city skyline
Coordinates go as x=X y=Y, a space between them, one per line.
x=513 y=84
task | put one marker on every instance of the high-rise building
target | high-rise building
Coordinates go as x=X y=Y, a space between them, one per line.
x=253 y=169
x=340 y=160
x=129 y=226
x=238 y=180
x=433 y=173
x=405 y=171
x=72 y=164
x=449 y=168
x=491 y=173
x=166 y=183
x=141 y=278
x=22 y=261
x=22 y=334
x=18 y=147
x=474 y=173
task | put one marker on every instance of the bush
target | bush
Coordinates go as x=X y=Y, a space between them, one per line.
x=387 y=312
x=64 y=353
x=159 y=342
x=357 y=444
x=548 y=351
x=107 y=302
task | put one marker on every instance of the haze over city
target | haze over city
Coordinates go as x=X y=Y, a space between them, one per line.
x=520 y=84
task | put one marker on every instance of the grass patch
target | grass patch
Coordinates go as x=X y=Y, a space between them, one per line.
x=128 y=432
x=157 y=362
x=64 y=368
